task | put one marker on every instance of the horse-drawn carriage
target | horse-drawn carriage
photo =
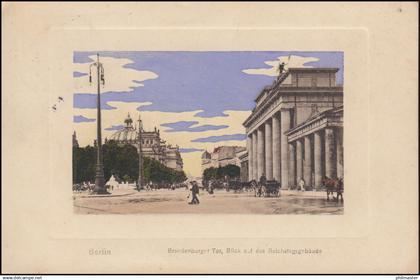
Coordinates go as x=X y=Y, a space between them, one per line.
x=270 y=188
x=231 y=185
x=234 y=185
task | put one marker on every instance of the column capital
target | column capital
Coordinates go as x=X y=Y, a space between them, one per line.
x=285 y=109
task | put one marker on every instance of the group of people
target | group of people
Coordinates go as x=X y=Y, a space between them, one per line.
x=169 y=186
x=301 y=183
x=84 y=186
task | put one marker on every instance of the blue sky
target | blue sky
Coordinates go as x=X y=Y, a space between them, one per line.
x=190 y=126
x=208 y=81
x=198 y=100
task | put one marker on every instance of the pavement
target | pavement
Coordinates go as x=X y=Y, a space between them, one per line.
x=130 y=201
x=114 y=193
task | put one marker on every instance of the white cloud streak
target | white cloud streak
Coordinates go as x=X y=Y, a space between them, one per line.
x=294 y=61
x=117 y=77
x=86 y=132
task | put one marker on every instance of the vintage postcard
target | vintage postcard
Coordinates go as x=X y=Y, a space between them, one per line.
x=174 y=134
x=210 y=138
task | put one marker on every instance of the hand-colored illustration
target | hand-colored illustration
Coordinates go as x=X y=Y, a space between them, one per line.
x=244 y=132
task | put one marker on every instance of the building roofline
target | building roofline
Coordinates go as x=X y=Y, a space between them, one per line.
x=314 y=69
x=290 y=70
x=314 y=118
x=279 y=80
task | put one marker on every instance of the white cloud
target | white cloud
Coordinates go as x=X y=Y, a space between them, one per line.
x=294 y=61
x=117 y=77
x=86 y=132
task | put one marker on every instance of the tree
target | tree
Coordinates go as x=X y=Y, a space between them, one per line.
x=84 y=160
x=230 y=170
x=122 y=161
x=210 y=174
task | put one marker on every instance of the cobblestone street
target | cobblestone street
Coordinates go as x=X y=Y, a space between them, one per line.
x=128 y=201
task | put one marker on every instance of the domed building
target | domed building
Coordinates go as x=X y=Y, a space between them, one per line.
x=152 y=145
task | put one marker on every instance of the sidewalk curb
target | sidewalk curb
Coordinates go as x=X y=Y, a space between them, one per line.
x=104 y=195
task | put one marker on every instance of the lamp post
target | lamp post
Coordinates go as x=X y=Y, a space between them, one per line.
x=140 y=179
x=99 y=175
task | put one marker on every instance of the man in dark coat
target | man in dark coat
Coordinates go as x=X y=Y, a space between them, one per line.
x=194 y=192
x=263 y=180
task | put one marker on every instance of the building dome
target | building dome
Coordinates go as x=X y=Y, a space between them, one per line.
x=126 y=135
x=152 y=146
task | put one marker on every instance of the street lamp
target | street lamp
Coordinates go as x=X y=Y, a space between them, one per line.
x=99 y=175
x=140 y=179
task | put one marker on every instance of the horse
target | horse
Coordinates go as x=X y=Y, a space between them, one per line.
x=258 y=188
x=334 y=185
x=235 y=185
x=248 y=186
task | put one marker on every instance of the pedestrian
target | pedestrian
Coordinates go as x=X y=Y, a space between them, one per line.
x=194 y=192
x=302 y=184
x=263 y=180
x=210 y=188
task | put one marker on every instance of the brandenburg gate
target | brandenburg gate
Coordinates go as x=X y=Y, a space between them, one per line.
x=296 y=129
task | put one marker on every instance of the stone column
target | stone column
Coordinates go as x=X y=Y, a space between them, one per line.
x=307 y=164
x=340 y=151
x=292 y=165
x=268 y=151
x=299 y=160
x=250 y=156
x=284 y=148
x=254 y=155
x=276 y=148
x=260 y=153
x=318 y=159
x=330 y=161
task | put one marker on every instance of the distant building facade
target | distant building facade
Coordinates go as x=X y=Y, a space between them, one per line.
x=222 y=156
x=296 y=129
x=152 y=145
x=243 y=159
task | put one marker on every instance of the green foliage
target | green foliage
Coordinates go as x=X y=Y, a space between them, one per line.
x=230 y=170
x=158 y=173
x=84 y=160
x=127 y=178
x=123 y=162
x=210 y=174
